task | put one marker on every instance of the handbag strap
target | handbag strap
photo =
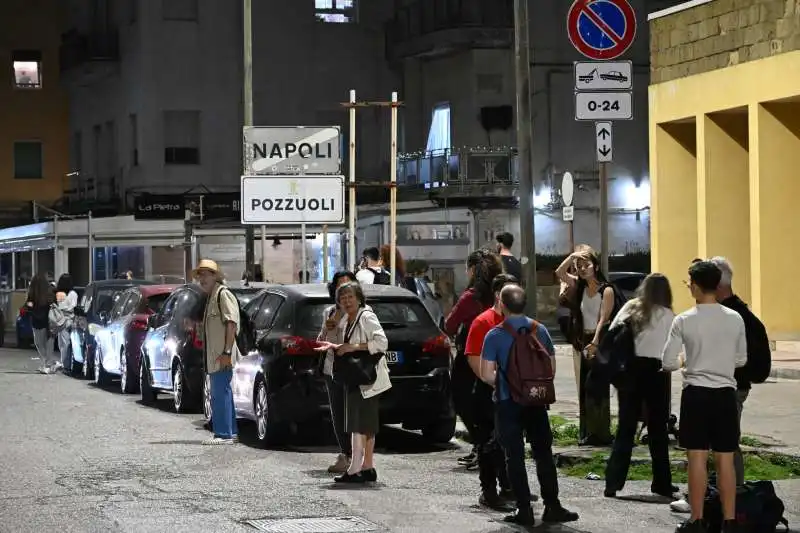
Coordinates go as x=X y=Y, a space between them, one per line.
x=348 y=332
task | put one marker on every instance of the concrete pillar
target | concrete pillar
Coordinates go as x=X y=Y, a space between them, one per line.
x=774 y=223
x=673 y=184
x=723 y=192
x=147 y=260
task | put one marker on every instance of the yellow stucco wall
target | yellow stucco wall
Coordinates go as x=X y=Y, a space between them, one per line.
x=725 y=180
x=33 y=114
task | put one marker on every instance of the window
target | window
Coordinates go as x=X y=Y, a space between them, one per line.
x=118 y=309
x=182 y=137
x=179 y=10
x=27 y=69
x=28 y=160
x=266 y=315
x=335 y=11
x=439 y=133
x=134 y=132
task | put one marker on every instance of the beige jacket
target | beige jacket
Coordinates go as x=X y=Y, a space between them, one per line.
x=221 y=308
x=370 y=332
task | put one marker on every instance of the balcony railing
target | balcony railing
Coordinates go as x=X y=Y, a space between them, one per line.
x=458 y=167
x=81 y=48
x=425 y=17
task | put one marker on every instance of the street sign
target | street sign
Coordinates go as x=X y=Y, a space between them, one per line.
x=601 y=29
x=568 y=213
x=603 y=106
x=292 y=200
x=603 y=76
x=292 y=150
x=567 y=189
x=604 y=146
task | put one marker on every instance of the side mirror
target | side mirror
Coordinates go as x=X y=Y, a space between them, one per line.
x=152 y=321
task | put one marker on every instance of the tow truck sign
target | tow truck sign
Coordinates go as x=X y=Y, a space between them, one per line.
x=292 y=200
x=292 y=150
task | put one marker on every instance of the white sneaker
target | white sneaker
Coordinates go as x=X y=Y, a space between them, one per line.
x=680 y=506
x=44 y=370
x=218 y=441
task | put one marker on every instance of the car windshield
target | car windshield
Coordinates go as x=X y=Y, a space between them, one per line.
x=155 y=302
x=106 y=298
x=245 y=295
x=392 y=315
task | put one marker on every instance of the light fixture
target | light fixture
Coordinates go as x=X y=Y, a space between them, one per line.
x=276 y=242
x=542 y=198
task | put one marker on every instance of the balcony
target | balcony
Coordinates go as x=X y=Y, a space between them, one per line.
x=430 y=28
x=88 y=50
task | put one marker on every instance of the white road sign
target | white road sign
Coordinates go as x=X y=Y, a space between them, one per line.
x=603 y=106
x=568 y=213
x=603 y=75
x=604 y=142
x=292 y=150
x=292 y=200
x=567 y=188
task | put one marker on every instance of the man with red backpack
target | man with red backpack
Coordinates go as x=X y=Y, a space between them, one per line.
x=518 y=360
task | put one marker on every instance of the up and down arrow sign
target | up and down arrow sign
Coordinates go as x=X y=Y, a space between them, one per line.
x=604 y=145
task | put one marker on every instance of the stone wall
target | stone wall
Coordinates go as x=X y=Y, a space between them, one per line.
x=721 y=33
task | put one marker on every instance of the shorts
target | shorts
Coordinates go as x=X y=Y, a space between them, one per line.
x=709 y=419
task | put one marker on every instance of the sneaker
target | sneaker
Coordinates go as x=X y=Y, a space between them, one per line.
x=680 y=506
x=495 y=503
x=508 y=495
x=468 y=458
x=340 y=466
x=219 y=441
x=44 y=370
x=521 y=517
x=692 y=526
x=558 y=514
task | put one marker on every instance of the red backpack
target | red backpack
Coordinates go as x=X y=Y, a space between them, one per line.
x=529 y=373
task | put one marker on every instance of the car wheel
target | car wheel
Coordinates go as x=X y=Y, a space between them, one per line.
x=127 y=380
x=75 y=368
x=179 y=393
x=149 y=395
x=207 y=398
x=100 y=376
x=441 y=431
x=88 y=363
x=269 y=431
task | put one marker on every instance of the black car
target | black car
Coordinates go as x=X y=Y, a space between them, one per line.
x=627 y=282
x=91 y=315
x=279 y=383
x=172 y=352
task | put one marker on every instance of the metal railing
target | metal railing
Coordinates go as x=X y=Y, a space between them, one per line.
x=463 y=167
x=424 y=17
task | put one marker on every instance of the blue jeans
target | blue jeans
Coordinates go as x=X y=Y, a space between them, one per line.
x=223 y=411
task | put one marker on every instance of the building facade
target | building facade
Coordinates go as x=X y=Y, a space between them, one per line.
x=724 y=148
x=34 y=143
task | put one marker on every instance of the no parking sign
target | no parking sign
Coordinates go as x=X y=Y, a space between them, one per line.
x=601 y=29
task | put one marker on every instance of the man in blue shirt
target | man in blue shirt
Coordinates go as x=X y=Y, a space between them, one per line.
x=514 y=421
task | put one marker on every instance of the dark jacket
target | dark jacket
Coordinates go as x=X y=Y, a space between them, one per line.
x=757 y=340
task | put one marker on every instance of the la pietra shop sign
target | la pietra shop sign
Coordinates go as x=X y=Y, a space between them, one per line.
x=159 y=207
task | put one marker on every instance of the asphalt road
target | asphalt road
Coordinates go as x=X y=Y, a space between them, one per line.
x=75 y=458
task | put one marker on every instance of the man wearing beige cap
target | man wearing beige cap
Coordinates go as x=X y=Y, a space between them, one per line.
x=220 y=326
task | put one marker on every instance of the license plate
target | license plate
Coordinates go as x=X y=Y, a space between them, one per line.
x=394 y=357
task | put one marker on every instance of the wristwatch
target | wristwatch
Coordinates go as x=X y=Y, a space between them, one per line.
x=226 y=352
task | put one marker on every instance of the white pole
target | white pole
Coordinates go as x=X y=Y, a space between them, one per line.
x=352 y=174
x=303 y=253
x=33 y=263
x=263 y=253
x=90 y=243
x=56 y=254
x=325 y=253
x=13 y=271
x=393 y=191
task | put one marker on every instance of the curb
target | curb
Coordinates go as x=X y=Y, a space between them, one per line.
x=785 y=373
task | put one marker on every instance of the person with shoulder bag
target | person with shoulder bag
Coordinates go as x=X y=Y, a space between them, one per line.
x=360 y=365
x=40 y=298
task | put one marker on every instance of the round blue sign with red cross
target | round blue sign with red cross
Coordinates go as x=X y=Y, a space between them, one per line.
x=601 y=29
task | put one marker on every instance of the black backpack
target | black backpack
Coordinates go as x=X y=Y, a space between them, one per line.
x=758 y=508
x=382 y=276
x=245 y=339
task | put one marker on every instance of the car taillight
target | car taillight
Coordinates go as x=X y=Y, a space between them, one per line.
x=439 y=345
x=298 y=345
x=139 y=325
x=196 y=341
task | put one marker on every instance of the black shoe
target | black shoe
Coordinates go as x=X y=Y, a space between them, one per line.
x=521 y=517
x=370 y=475
x=692 y=526
x=350 y=478
x=557 y=514
x=667 y=492
x=468 y=458
x=495 y=503
x=730 y=526
x=508 y=495
x=610 y=493
x=472 y=465
x=597 y=442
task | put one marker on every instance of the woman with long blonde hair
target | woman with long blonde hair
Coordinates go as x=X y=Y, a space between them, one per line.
x=40 y=298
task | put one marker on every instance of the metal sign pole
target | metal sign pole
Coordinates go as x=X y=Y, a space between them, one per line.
x=249 y=241
x=393 y=192
x=352 y=175
x=325 y=253
x=90 y=243
x=263 y=253
x=303 y=278
x=604 y=217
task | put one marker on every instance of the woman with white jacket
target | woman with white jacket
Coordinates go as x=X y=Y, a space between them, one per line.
x=66 y=300
x=361 y=331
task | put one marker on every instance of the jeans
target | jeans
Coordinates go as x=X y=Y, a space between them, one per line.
x=738 y=460
x=336 y=398
x=462 y=382
x=65 y=348
x=45 y=348
x=594 y=406
x=514 y=423
x=491 y=459
x=647 y=387
x=223 y=420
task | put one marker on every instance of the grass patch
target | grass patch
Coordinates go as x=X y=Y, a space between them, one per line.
x=567 y=432
x=747 y=440
x=757 y=466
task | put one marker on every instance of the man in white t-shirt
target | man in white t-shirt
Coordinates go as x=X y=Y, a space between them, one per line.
x=373 y=272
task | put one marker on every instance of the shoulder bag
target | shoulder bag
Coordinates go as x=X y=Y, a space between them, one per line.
x=355 y=368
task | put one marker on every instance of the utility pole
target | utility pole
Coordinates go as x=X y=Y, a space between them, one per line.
x=249 y=235
x=527 y=231
x=604 y=217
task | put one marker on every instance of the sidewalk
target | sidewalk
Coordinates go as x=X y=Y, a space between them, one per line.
x=785 y=365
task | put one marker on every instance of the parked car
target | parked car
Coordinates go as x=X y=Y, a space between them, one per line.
x=278 y=383
x=24 y=326
x=119 y=342
x=430 y=300
x=91 y=314
x=627 y=282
